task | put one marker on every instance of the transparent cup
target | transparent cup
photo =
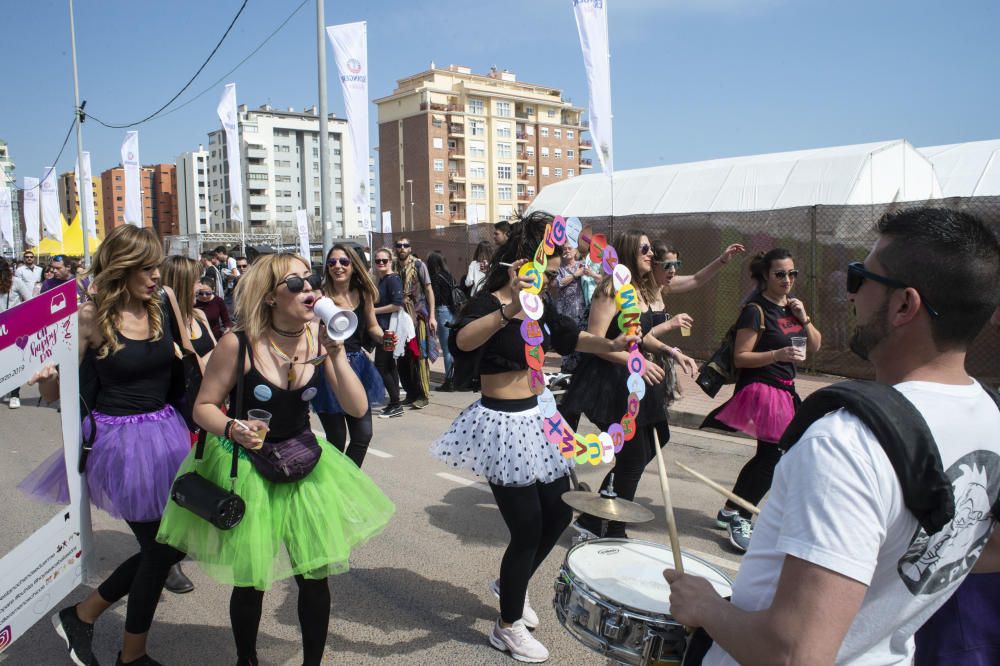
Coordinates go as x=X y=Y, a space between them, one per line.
x=262 y=416
x=799 y=342
x=686 y=331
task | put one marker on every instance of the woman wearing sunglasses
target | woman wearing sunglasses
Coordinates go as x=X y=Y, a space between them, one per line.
x=305 y=528
x=351 y=288
x=214 y=308
x=390 y=300
x=764 y=400
x=598 y=386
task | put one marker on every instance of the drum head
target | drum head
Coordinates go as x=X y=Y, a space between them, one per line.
x=631 y=572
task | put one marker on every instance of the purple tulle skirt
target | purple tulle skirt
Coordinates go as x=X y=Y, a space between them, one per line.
x=326 y=402
x=130 y=468
x=760 y=410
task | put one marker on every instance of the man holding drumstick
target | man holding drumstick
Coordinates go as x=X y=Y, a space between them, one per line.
x=839 y=570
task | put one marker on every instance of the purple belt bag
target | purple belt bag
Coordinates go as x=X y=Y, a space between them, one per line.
x=288 y=460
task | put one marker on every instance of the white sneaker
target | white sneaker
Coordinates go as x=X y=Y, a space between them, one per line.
x=517 y=640
x=528 y=614
x=15 y=403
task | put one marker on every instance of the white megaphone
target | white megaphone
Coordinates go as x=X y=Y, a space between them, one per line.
x=340 y=324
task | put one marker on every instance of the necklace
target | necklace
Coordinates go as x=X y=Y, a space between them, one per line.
x=310 y=349
x=288 y=334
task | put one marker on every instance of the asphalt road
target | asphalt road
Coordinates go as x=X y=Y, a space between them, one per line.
x=417 y=594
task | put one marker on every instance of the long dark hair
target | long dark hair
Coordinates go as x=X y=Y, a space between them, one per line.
x=6 y=276
x=525 y=235
x=436 y=263
x=760 y=265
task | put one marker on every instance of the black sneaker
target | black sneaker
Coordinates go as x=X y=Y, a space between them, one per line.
x=420 y=403
x=445 y=387
x=79 y=636
x=144 y=660
x=390 y=412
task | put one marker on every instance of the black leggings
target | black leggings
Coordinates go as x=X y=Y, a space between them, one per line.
x=385 y=363
x=536 y=516
x=337 y=427
x=314 y=618
x=141 y=577
x=409 y=375
x=755 y=478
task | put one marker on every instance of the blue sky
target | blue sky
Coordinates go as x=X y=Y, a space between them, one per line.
x=691 y=79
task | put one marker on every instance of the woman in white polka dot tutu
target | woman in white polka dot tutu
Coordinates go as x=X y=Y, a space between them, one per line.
x=500 y=436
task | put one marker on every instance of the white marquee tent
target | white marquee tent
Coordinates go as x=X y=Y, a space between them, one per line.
x=863 y=174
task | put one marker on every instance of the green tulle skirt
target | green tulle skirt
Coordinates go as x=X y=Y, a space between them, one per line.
x=306 y=528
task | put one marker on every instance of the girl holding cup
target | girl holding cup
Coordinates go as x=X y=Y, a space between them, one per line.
x=764 y=400
x=390 y=300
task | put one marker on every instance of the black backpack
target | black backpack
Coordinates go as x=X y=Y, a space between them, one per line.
x=457 y=297
x=721 y=369
x=904 y=436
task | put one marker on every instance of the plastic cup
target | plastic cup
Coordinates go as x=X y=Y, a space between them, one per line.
x=686 y=331
x=799 y=343
x=264 y=417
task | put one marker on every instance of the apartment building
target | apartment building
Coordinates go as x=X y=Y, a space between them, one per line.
x=192 y=192
x=8 y=179
x=69 y=200
x=157 y=186
x=280 y=154
x=458 y=147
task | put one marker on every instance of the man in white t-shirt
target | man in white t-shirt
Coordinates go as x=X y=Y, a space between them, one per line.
x=839 y=571
x=30 y=273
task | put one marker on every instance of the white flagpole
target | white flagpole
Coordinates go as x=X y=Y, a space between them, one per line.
x=84 y=227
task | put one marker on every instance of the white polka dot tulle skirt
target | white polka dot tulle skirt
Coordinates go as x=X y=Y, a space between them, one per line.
x=507 y=448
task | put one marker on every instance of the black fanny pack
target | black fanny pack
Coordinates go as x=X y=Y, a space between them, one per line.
x=289 y=460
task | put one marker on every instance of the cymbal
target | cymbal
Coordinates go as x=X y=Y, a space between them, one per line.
x=608 y=508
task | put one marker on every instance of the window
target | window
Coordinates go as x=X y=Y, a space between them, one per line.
x=503 y=130
x=477 y=127
x=570 y=173
x=438 y=187
x=336 y=151
x=477 y=191
x=477 y=170
x=543 y=131
x=503 y=171
x=545 y=151
x=503 y=109
x=551 y=113
x=557 y=152
x=504 y=193
x=545 y=171
x=569 y=134
x=336 y=181
x=530 y=150
x=453 y=209
x=315 y=166
x=570 y=153
x=437 y=142
x=504 y=150
x=529 y=110
x=315 y=152
x=315 y=181
x=439 y=165
x=558 y=172
x=531 y=171
x=436 y=121
x=529 y=130
x=476 y=106
x=452 y=144
x=557 y=133
x=477 y=149
x=439 y=208
x=531 y=190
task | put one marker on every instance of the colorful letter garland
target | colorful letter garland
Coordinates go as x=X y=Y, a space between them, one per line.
x=594 y=449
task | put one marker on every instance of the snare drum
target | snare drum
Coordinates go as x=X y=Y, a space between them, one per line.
x=612 y=597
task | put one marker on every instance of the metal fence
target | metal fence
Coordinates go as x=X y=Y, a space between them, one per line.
x=822 y=239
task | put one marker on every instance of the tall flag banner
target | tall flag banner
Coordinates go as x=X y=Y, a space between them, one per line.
x=227 y=114
x=32 y=235
x=85 y=192
x=350 y=50
x=592 y=24
x=51 y=219
x=130 y=162
x=302 y=224
x=6 y=217
x=386 y=229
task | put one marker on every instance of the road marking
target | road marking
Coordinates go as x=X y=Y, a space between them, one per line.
x=374 y=452
x=745 y=441
x=462 y=481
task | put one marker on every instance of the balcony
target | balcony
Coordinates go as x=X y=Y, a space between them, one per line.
x=522 y=177
x=456 y=154
x=521 y=115
x=522 y=156
x=456 y=196
x=258 y=216
x=586 y=144
x=456 y=129
x=457 y=175
x=586 y=163
x=256 y=154
x=521 y=136
x=259 y=200
x=257 y=168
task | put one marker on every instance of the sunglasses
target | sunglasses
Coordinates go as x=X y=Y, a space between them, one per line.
x=343 y=261
x=857 y=274
x=781 y=275
x=296 y=284
x=242 y=267
x=381 y=262
x=644 y=249
x=402 y=245
x=206 y=294
x=676 y=265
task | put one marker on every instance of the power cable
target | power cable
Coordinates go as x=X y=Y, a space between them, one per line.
x=54 y=162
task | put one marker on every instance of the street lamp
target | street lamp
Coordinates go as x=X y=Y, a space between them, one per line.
x=412 y=223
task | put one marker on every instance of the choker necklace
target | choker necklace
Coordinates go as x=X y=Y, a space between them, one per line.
x=288 y=334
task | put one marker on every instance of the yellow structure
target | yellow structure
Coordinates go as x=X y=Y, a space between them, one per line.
x=72 y=243
x=69 y=199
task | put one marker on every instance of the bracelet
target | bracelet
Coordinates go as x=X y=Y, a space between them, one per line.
x=676 y=351
x=228 y=430
x=807 y=321
x=504 y=319
x=774 y=357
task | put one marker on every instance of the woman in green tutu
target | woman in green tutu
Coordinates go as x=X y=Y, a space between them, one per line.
x=305 y=528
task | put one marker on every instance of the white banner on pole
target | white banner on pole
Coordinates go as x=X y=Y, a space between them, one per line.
x=6 y=217
x=51 y=219
x=350 y=50
x=32 y=234
x=85 y=192
x=228 y=116
x=130 y=162
x=302 y=224
x=592 y=24
x=386 y=229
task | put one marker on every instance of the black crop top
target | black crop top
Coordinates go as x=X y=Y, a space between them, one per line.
x=136 y=379
x=504 y=351
x=203 y=343
x=289 y=407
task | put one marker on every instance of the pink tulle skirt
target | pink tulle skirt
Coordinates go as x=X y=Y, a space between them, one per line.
x=760 y=410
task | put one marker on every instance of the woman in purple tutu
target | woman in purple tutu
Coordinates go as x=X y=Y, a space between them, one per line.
x=347 y=282
x=764 y=400
x=127 y=351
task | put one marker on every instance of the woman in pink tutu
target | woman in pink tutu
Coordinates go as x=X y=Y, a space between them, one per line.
x=127 y=351
x=765 y=399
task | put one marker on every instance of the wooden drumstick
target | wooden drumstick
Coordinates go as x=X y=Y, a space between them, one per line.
x=668 y=505
x=720 y=489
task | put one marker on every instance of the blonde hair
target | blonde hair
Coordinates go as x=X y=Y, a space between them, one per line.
x=125 y=250
x=360 y=279
x=253 y=315
x=181 y=274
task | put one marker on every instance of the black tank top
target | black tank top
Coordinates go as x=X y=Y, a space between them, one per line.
x=356 y=341
x=136 y=379
x=289 y=407
x=203 y=343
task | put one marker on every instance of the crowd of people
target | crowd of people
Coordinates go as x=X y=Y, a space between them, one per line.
x=819 y=581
